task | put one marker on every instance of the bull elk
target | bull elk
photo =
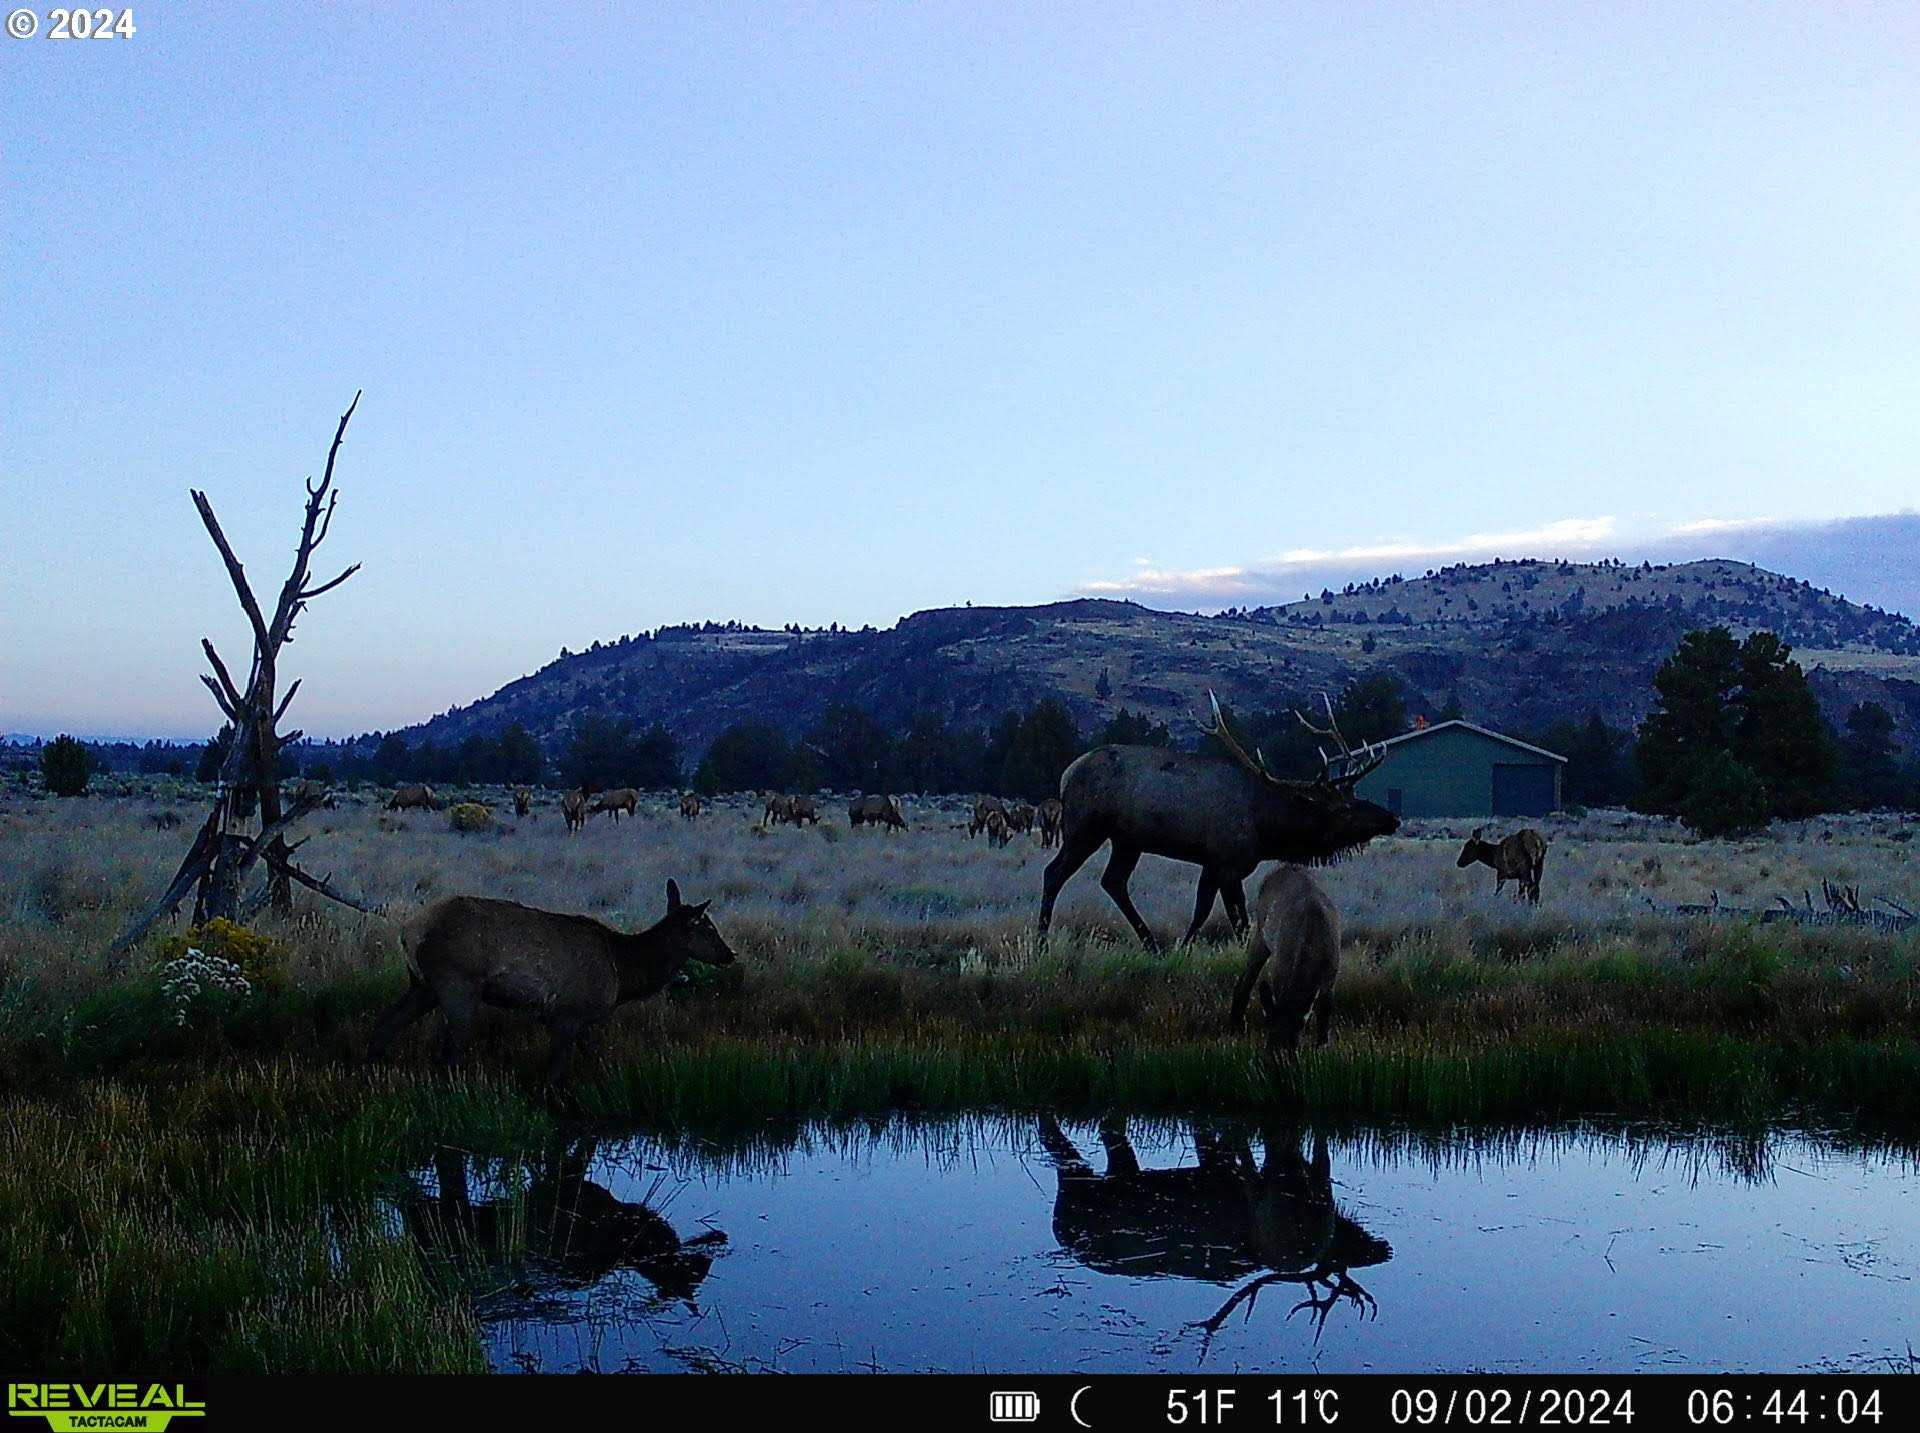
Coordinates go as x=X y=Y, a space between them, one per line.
x=569 y=972
x=876 y=811
x=522 y=801
x=1225 y=815
x=1295 y=926
x=414 y=798
x=614 y=802
x=1051 y=812
x=689 y=807
x=1520 y=857
x=573 y=807
x=1224 y=1219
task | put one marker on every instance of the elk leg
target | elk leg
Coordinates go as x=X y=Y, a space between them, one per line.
x=1114 y=882
x=565 y=1035
x=414 y=1005
x=1202 y=905
x=1236 y=901
x=1323 y=1018
x=457 y=1011
x=1071 y=857
x=1256 y=958
x=1121 y=1159
x=1062 y=1153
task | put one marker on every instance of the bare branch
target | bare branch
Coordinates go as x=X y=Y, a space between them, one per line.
x=235 y=571
x=233 y=697
x=322 y=884
x=287 y=700
x=312 y=592
x=226 y=707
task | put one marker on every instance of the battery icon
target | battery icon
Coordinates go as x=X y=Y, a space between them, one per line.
x=1013 y=1407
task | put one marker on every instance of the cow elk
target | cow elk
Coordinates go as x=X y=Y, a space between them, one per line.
x=522 y=801
x=414 y=798
x=998 y=832
x=1225 y=815
x=1051 y=812
x=1020 y=818
x=569 y=972
x=555 y=1229
x=876 y=811
x=1296 y=927
x=689 y=807
x=573 y=807
x=1520 y=857
x=983 y=808
x=614 y=802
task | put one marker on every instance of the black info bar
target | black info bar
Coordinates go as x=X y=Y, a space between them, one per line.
x=924 y=1403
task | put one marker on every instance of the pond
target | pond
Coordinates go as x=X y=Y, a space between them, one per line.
x=1003 y=1244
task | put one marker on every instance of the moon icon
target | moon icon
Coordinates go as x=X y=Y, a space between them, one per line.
x=1073 y=1405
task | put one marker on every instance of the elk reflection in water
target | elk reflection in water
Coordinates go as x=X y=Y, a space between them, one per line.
x=1225 y=1219
x=561 y=1232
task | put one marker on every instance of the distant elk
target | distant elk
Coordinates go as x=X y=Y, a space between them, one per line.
x=794 y=810
x=1295 y=926
x=1225 y=815
x=311 y=795
x=1020 y=818
x=614 y=802
x=569 y=972
x=1520 y=857
x=998 y=832
x=414 y=798
x=876 y=811
x=689 y=807
x=983 y=808
x=573 y=807
x=522 y=801
x=1051 y=812
x=1224 y=1219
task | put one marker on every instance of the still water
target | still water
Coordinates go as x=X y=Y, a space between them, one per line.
x=1000 y=1244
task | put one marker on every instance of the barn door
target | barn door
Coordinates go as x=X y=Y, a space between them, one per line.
x=1522 y=790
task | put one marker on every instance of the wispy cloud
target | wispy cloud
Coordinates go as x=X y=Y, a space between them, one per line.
x=1869 y=559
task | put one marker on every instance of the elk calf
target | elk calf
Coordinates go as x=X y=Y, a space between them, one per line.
x=1295 y=926
x=1520 y=857
x=569 y=972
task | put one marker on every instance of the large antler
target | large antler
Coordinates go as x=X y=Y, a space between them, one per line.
x=1355 y=764
x=1257 y=763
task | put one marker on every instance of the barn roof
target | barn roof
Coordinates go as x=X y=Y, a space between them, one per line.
x=1419 y=732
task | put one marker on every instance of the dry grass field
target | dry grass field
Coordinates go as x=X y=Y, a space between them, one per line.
x=210 y=1194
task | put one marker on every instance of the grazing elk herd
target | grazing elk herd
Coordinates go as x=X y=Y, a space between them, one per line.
x=1221 y=810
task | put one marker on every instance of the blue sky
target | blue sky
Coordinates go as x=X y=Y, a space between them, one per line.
x=833 y=313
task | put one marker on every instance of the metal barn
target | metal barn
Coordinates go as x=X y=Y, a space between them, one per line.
x=1455 y=768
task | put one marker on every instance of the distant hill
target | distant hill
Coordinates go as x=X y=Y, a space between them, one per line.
x=1519 y=644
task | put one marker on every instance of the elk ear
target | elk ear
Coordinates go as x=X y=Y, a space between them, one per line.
x=673 y=894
